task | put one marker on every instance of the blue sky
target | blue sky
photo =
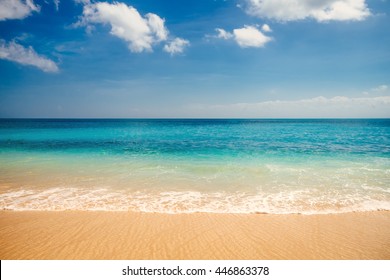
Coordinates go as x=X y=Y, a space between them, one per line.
x=204 y=58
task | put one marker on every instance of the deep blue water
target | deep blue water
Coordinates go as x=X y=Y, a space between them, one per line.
x=199 y=137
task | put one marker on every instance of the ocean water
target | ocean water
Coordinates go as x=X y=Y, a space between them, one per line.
x=185 y=166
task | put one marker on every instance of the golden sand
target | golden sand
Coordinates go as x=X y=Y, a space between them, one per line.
x=125 y=235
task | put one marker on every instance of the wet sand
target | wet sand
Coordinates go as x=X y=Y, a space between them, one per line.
x=126 y=235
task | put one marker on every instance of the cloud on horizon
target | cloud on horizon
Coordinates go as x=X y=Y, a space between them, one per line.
x=317 y=107
x=379 y=90
x=26 y=56
x=319 y=10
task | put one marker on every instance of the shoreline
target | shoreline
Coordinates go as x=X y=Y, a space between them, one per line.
x=136 y=235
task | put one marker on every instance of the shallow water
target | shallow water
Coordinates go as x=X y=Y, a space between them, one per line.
x=174 y=166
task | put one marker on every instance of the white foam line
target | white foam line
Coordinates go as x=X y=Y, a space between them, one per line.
x=287 y=202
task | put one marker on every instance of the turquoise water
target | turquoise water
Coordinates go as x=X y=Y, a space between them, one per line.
x=181 y=166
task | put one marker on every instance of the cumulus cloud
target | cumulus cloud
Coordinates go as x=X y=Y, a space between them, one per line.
x=266 y=28
x=140 y=32
x=317 y=107
x=26 y=56
x=157 y=27
x=127 y=24
x=248 y=36
x=17 y=9
x=320 y=10
x=176 y=46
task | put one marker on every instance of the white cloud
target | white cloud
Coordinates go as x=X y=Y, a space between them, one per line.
x=248 y=36
x=320 y=10
x=317 y=107
x=140 y=32
x=176 y=46
x=266 y=28
x=17 y=9
x=156 y=25
x=126 y=23
x=26 y=56
x=223 y=34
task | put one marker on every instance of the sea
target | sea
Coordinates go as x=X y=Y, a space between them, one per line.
x=277 y=166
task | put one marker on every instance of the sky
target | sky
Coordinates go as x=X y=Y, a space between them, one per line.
x=195 y=59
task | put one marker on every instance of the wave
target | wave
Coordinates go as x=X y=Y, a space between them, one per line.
x=306 y=201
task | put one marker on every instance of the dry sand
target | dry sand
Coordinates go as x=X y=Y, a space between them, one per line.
x=125 y=235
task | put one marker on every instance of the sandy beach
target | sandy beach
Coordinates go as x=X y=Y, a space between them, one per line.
x=126 y=235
